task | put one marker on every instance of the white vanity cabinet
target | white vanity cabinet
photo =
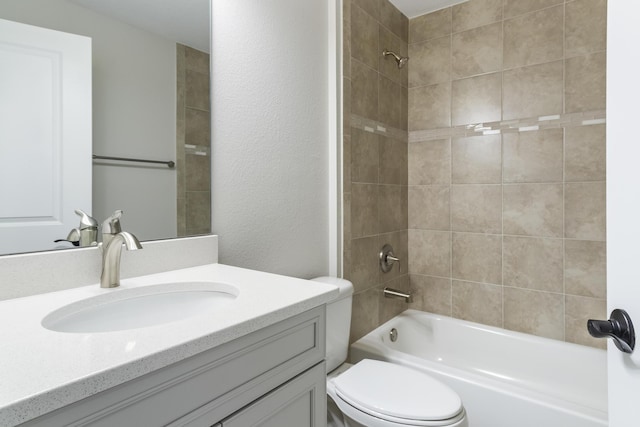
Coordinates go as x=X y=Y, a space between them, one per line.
x=274 y=376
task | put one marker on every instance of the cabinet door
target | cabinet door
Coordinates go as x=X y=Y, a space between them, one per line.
x=300 y=402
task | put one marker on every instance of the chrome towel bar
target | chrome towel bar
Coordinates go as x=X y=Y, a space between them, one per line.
x=171 y=164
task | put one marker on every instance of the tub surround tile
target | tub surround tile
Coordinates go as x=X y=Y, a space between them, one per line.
x=430 y=62
x=585 y=82
x=475 y=13
x=533 y=263
x=429 y=207
x=430 y=162
x=430 y=107
x=585 y=153
x=430 y=252
x=518 y=7
x=364 y=90
x=476 y=208
x=585 y=268
x=531 y=91
x=477 y=302
x=430 y=26
x=534 y=38
x=364 y=313
x=391 y=307
x=399 y=240
x=364 y=210
x=346 y=96
x=390 y=105
x=393 y=161
x=477 y=257
x=476 y=51
x=394 y=20
x=577 y=311
x=585 y=26
x=533 y=156
x=392 y=208
x=476 y=160
x=364 y=156
x=346 y=161
x=533 y=209
x=387 y=65
x=432 y=294
x=476 y=99
x=585 y=211
x=364 y=263
x=372 y=7
x=534 y=312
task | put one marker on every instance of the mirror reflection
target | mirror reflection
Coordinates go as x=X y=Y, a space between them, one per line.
x=149 y=84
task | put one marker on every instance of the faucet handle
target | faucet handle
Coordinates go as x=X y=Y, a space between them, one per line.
x=112 y=225
x=86 y=221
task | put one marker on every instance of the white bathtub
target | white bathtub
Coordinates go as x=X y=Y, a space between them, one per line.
x=505 y=378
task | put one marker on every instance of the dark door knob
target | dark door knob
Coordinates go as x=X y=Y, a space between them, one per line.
x=618 y=327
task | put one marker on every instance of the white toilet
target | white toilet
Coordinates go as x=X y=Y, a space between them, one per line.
x=372 y=393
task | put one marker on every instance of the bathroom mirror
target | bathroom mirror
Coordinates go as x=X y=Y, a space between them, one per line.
x=150 y=101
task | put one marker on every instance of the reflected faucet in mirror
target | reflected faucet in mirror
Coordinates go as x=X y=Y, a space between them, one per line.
x=86 y=234
x=112 y=240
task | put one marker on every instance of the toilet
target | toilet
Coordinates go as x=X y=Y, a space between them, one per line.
x=374 y=393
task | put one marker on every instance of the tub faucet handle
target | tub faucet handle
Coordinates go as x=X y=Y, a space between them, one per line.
x=388 y=258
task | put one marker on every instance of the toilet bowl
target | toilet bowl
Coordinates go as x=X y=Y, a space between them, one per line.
x=374 y=393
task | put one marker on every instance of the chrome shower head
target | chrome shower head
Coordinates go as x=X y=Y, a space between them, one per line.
x=400 y=60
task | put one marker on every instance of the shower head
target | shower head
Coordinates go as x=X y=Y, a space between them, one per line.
x=401 y=60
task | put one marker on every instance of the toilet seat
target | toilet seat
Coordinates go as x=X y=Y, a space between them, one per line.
x=383 y=394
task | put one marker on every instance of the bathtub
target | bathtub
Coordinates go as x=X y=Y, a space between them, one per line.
x=504 y=378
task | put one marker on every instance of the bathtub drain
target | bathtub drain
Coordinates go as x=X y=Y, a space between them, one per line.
x=393 y=334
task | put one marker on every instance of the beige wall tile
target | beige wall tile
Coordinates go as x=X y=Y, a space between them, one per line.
x=534 y=312
x=475 y=13
x=399 y=240
x=364 y=37
x=198 y=173
x=386 y=64
x=585 y=153
x=533 y=209
x=533 y=91
x=477 y=257
x=346 y=104
x=430 y=252
x=197 y=90
x=430 y=26
x=393 y=161
x=372 y=7
x=585 y=211
x=392 y=208
x=430 y=62
x=364 y=313
x=346 y=39
x=394 y=20
x=477 y=302
x=364 y=263
x=198 y=212
x=577 y=311
x=585 y=26
x=585 y=268
x=432 y=294
x=533 y=156
x=477 y=51
x=346 y=162
x=533 y=263
x=476 y=160
x=364 y=210
x=430 y=107
x=534 y=38
x=476 y=208
x=429 y=207
x=197 y=127
x=390 y=104
x=364 y=156
x=518 y=7
x=364 y=91
x=585 y=82
x=476 y=99
x=430 y=162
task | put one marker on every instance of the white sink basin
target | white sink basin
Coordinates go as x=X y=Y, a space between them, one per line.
x=122 y=309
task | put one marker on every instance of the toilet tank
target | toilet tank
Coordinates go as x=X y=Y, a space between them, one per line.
x=338 y=321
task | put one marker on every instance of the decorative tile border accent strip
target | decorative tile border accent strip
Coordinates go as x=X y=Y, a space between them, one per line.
x=508 y=126
x=380 y=128
x=198 y=150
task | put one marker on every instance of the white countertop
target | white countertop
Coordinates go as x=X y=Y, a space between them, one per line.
x=42 y=370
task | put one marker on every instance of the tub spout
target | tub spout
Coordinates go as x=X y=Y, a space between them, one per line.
x=394 y=293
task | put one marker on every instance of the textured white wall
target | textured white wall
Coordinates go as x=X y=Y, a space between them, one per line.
x=270 y=88
x=134 y=81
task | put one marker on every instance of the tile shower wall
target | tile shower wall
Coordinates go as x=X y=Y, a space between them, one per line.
x=375 y=157
x=193 y=136
x=506 y=164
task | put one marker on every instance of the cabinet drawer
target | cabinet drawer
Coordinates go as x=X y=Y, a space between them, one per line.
x=218 y=381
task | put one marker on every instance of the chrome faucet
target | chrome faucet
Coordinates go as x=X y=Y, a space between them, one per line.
x=112 y=240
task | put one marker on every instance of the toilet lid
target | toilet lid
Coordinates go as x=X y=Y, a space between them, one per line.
x=385 y=389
